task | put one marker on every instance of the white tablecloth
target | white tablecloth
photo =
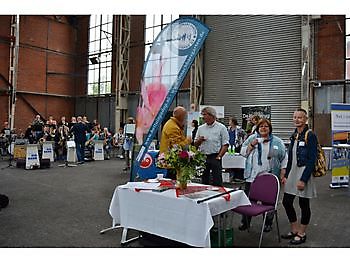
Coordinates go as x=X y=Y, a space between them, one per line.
x=163 y=214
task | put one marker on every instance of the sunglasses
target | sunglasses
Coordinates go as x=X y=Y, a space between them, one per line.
x=264 y=126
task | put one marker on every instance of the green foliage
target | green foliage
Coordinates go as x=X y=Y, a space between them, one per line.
x=185 y=161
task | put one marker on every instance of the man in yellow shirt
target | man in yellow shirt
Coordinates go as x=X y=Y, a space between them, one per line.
x=173 y=131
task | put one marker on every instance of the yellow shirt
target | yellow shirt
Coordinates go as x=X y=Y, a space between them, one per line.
x=172 y=134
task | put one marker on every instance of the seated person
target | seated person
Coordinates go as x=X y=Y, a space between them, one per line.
x=118 y=141
x=106 y=136
x=91 y=138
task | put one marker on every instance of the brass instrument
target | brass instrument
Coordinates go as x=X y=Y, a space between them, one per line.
x=63 y=133
x=42 y=140
x=62 y=140
x=52 y=132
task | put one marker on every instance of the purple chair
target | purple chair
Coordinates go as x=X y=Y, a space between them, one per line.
x=263 y=196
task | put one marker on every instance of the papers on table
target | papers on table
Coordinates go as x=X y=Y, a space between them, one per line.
x=141 y=185
x=201 y=194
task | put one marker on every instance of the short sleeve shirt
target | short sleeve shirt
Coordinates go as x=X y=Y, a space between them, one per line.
x=216 y=136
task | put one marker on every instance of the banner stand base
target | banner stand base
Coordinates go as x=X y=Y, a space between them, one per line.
x=339 y=185
x=67 y=164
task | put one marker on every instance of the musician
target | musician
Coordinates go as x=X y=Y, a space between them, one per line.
x=51 y=122
x=46 y=135
x=92 y=137
x=118 y=141
x=5 y=136
x=61 y=137
x=38 y=128
x=63 y=122
x=95 y=123
x=5 y=131
x=87 y=123
x=29 y=134
x=106 y=136
x=79 y=130
x=73 y=121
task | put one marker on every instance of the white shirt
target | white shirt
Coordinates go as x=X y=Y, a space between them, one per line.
x=265 y=167
x=216 y=136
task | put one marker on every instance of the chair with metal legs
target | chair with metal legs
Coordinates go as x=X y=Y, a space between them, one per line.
x=263 y=195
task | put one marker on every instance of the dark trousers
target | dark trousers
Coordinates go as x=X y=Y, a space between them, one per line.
x=304 y=204
x=80 y=146
x=246 y=219
x=213 y=169
x=127 y=158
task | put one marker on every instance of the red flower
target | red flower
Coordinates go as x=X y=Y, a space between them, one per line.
x=183 y=155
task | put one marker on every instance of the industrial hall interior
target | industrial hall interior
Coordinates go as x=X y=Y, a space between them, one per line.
x=103 y=116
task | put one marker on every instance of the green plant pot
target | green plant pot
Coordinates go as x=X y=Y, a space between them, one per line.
x=214 y=237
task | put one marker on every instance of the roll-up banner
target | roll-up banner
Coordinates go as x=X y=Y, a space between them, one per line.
x=340 y=119
x=168 y=61
x=32 y=156
x=98 y=151
x=263 y=111
x=48 y=151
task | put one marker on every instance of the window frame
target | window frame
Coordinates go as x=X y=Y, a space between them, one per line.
x=100 y=54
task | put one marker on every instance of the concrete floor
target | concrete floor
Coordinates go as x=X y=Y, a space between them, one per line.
x=67 y=207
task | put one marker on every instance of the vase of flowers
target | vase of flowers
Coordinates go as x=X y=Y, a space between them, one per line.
x=185 y=160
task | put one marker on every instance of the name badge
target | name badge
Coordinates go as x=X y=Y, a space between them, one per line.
x=301 y=143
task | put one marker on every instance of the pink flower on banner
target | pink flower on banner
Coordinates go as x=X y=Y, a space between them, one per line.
x=156 y=93
x=153 y=96
x=143 y=122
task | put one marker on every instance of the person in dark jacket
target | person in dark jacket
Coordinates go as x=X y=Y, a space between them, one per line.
x=79 y=130
x=298 y=180
x=194 y=131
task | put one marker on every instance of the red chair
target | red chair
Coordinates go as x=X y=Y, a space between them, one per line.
x=263 y=195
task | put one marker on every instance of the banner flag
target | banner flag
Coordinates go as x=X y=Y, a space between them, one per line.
x=340 y=120
x=168 y=61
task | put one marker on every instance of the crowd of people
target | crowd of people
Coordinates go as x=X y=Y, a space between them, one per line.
x=79 y=129
x=264 y=152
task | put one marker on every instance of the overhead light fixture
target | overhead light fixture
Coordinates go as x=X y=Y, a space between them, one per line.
x=94 y=60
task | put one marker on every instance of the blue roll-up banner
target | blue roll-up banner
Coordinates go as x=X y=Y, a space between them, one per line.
x=168 y=61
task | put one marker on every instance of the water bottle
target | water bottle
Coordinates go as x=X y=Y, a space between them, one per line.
x=231 y=150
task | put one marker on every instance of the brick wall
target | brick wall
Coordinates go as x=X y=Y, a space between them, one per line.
x=330 y=48
x=52 y=66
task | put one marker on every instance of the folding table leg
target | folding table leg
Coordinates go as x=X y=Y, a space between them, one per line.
x=114 y=226
x=124 y=236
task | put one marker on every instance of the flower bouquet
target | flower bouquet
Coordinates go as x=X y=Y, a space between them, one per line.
x=186 y=161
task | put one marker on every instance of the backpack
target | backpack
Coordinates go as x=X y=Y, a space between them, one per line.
x=321 y=164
